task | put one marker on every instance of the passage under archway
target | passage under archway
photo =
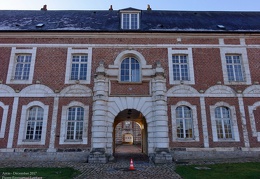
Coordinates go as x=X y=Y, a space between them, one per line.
x=130 y=132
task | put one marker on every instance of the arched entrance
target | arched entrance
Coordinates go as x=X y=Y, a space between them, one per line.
x=130 y=129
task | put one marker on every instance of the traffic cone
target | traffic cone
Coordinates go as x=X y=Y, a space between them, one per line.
x=131 y=165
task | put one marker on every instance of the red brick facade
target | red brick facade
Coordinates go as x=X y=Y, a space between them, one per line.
x=50 y=71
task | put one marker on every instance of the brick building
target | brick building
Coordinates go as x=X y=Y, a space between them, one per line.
x=189 y=79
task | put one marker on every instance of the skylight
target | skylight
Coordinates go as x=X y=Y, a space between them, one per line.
x=40 y=25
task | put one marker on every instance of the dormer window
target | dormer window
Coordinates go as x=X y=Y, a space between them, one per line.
x=130 y=18
x=130 y=21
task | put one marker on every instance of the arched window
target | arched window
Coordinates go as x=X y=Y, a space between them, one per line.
x=223 y=122
x=184 y=122
x=34 y=123
x=75 y=123
x=130 y=70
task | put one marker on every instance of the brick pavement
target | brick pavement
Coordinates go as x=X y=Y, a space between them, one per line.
x=117 y=169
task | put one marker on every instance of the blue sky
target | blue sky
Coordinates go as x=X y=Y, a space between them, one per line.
x=197 y=5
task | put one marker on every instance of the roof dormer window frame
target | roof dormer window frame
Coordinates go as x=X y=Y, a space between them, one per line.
x=129 y=21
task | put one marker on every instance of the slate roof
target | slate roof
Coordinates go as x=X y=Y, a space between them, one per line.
x=109 y=21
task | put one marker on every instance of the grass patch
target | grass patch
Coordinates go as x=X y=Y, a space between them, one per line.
x=249 y=170
x=41 y=173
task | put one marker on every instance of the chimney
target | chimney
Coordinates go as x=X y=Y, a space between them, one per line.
x=148 y=7
x=111 y=8
x=44 y=8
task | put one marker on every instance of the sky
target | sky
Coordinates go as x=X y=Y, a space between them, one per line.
x=185 y=5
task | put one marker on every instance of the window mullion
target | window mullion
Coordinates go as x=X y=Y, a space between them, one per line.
x=130 y=15
x=233 y=68
x=183 y=121
x=35 y=123
x=130 y=69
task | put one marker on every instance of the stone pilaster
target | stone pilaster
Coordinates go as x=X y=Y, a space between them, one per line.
x=99 y=118
x=161 y=150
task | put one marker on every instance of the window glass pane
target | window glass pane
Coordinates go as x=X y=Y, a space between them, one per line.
x=184 y=122
x=223 y=123
x=75 y=123
x=180 y=67
x=130 y=70
x=133 y=21
x=34 y=123
x=126 y=21
x=79 y=67
x=22 y=67
x=234 y=68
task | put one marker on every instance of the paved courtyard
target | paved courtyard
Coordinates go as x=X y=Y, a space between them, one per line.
x=119 y=169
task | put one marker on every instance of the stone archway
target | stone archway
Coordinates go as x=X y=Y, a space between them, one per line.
x=132 y=116
x=106 y=108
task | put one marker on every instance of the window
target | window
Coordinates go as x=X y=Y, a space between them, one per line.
x=75 y=123
x=78 y=67
x=130 y=21
x=184 y=122
x=130 y=70
x=3 y=118
x=21 y=66
x=223 y=123
x=181 y=66
x=235 y=66
x=34 y=123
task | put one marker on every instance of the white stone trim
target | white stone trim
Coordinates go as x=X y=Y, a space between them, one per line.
x=142 y=104
x=243 y=119
x=187 y=52
x=53 y=125
x=251 y=109
x=22 y=128
x=182 y=90
x=11 y=68
x=252 y=91
x=12 y=124
x=4 y=119
x=70 y=53
x=194 y=122
x=220 y=91
x=6 y=91
x=122 y=55
x=246 y=72
x=76 y=91
x=63 y=126
x=36 y=90
x=134 y=35
x=204 y=122
x=235 y=132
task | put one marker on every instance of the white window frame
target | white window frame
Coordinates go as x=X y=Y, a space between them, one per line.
x=130 y=70
x=130 y=14
x=63 y=127
x=23 y=121
x=233 y=119
x=244 y=62
x=4 y=119
x=11 y=69
x=193 y=108
x=251 y=109
x=188 y=53
x=70 y=53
